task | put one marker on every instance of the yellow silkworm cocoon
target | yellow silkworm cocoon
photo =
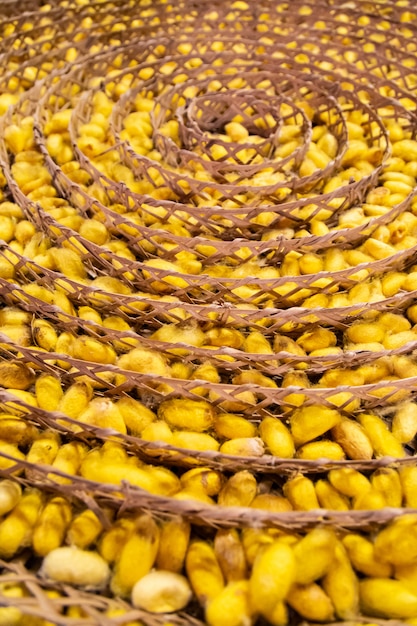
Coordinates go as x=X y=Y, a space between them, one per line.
x=403 y=366
x=225 y=337
x=331 y=498
x=387 y=481
x=253 y=377
x=357 y=150
x=397 y=340
x=48 y=392
x=203 y=571
x=257 y=343
x=408 y=478
x=68 y=459
x=15 y=375
x=102 y=413
x=341 y=585
x=277 y=437
x=69 y=263
x=12 y=450
x=89 y=349
x=286 y=344
x=310 y=422
x=190 y=440
x=231 y=606
x=187 y=332
x=45 y=335
x=301 y=493
x=366 y=332
x=392 y=283
x=166 y=483
x=397 y=543
x=243 y=446
x=383 y=441
x=313 y=555
x=17 y=528
x=323 y=449
x=136 y=415
x=404 y=422
x=370 y=500
x=311 y=263
x=273 y=574
x=10 y=615
x=84 y=529
x=49 y=531
x=230 y=554
x=361 y=553
x=12 y=316
x=378 y=249
x=271 y=502
x=230 y=426
x=204 y=479
x=75 y=400
x=161 y=591
x=90 y=314
x=157 y=431
x=173 y=544
x=113 y=472
x=387 y=598
x=206 y=371
x=349 y=481
x=113 y=539
x=239 y=490
x=42 y=452
x=137 y=556
x=15 y=430
x=317 y=339
x=72 y=566
x=144 y=361
x=195 y=415
x=353 y=439
x=311 y=602
x=10 y=494
x=20 y=335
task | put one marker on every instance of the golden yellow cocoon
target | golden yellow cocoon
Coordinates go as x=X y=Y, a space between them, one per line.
x=173 y=544
x=301 y=493
x=397 y=543
x=230 y=426
x=16 y=529
x=203 y=571
x=361 y=552
x=73 y=566
x=387 y=598
x=277 y=437
x=231 y=606
x=341 y=584
x=349 y=481
x=313 y=555
x=230 y=554
x=353 y=439
x=194 y=415
x=49 y=531
x=383 y=441
x=203 y=479
x=272 y=576
x=310 y=422
x=161 y=591
x=404 y=422
x=331 y=498
x=311 y=602
x=137 y=556
x=15 y=375
x=239 y=490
